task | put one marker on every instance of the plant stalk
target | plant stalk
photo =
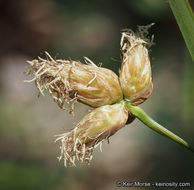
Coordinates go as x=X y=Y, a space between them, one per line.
x=148 y=121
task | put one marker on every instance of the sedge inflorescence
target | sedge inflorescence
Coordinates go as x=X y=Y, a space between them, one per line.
x=70 y=81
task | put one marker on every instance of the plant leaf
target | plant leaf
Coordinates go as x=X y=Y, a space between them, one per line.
x=185 y=19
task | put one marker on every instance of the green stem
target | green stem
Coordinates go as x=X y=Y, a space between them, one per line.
x=185 y=19
x=141 y=115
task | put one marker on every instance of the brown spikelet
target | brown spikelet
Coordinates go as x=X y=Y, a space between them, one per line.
x=135 y=74
x=90 y=132
x=69 y=81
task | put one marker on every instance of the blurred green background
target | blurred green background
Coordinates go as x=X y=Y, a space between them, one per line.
x=91 y=28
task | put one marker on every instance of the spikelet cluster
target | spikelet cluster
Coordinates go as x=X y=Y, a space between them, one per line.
x=70 y=81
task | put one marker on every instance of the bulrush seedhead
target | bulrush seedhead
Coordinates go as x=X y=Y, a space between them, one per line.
x=69 y=81
x=91 y=131
x=135 y=74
